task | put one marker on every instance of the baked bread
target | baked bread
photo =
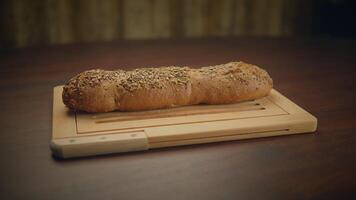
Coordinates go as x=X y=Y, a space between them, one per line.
x=164 y=87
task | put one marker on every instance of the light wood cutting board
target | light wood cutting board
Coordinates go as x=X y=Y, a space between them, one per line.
x=77 y=134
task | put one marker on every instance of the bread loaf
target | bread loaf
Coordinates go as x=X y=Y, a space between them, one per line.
x=164 y=87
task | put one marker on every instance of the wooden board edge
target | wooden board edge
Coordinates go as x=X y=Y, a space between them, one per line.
x=303 y=123
x=224 y=138
x=227 y=127
x=285 y=103
x=63 y=121
x=98 y=145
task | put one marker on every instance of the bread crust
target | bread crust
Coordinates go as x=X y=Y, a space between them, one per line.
x=164 y=87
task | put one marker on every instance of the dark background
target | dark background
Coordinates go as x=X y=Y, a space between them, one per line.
x=308 y=47
x=43 y=22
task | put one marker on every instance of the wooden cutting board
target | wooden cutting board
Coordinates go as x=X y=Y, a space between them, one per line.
x=82 y=134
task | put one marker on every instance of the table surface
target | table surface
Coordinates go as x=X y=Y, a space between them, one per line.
x=317 y=74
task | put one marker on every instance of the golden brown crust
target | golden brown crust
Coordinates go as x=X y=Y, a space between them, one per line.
x=152 y=88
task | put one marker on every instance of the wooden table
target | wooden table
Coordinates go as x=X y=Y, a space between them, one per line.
x=319 y=75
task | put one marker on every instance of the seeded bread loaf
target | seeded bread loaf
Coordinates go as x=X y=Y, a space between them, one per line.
x=153 y=88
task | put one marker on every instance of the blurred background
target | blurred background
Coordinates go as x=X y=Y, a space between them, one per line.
x=27 y=23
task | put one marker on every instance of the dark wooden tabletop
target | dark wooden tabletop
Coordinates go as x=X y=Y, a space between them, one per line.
x=317 y=74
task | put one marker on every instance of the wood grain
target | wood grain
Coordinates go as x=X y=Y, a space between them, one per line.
x=58 y=21
x=43 y=22
x=161 y=19
x=28 y=15
x=7 y=36
x=317 y=74
x=258 y=17
x=138 y=18
x=85 y=23
x=193 y=13
x=108 y=20
x=275 y=15
x=218 y=18
x=239 y=17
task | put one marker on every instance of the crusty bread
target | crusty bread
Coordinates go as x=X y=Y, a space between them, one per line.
x=153 y=88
